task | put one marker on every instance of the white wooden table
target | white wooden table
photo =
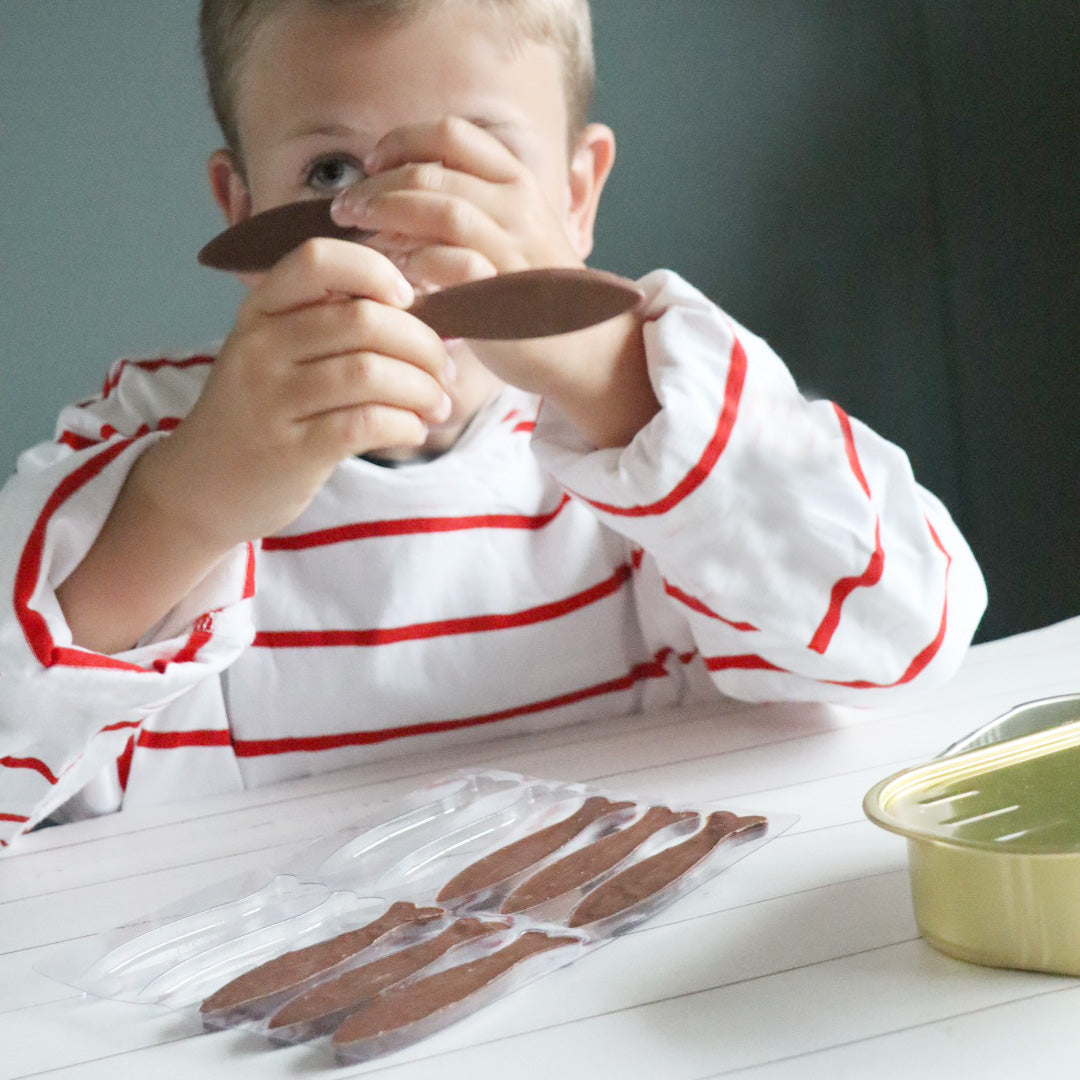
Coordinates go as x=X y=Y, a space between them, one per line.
x=801 y=960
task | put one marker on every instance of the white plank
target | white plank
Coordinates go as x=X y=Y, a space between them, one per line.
x=1044 y=1041
x=800 y=960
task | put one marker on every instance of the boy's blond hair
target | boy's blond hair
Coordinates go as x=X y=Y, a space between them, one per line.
x=227 y=27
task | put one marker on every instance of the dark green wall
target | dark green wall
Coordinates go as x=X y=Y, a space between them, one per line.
x=886 y=189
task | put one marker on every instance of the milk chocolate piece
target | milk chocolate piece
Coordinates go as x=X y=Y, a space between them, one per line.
x=523 y=853
x=258 y=990
x=638 y=882
x=320 y=1009
x=525 y=304
x=581 y=866
x=407 y=1003
x=256 y=243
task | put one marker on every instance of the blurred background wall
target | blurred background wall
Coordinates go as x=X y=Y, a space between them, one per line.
x=885 y=189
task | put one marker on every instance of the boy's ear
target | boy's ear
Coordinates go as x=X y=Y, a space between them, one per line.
x=590 y=164
x=228 y=187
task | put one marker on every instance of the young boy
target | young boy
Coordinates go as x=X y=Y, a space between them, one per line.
x=342 y=537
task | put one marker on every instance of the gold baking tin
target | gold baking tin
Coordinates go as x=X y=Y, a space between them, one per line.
x=994 y=840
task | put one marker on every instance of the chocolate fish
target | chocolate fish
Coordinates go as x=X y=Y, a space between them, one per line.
x=523 y=853
x=256 y=243
x=322 y=1007
x=254 y=992
x=645 y=878
x=524 y=304
x=410 y=1002
x=581 y=866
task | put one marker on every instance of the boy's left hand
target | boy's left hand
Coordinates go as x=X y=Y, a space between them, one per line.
x=451 y=203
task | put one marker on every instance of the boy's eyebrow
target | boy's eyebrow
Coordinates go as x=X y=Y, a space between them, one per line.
x=337 y=131
x=345 y=131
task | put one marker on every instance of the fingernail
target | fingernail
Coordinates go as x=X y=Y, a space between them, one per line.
x=442 y=411
x=347 y=205
x=404 y=293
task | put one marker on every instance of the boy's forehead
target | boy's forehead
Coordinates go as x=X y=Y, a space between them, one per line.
x=312 y=61
x=308 y=29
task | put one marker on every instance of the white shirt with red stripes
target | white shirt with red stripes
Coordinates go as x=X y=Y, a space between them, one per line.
x=748 y=543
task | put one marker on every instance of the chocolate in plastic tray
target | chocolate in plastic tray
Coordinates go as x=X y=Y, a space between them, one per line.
x=392 y=929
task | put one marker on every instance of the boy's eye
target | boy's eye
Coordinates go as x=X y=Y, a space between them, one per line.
x=333 y=173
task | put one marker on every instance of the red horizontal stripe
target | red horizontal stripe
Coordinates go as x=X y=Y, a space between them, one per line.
x=745 y=662
x=696 y=605
x=246 y=748
x=170 y=740
x=472 y=624
x=733 y=388
x=844 y=588
x=365 y=530
x=166 y=423
x=151 y=365
x=120 y=725
x=34 y=764
x=20 y=818
x=107 y=431
x=76 y=442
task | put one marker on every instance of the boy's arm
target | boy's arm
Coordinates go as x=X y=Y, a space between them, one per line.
x=323 y=364
x=116 y=524
x=67 y=714
x=794 y=542
x=791 y=541
x=145 y=559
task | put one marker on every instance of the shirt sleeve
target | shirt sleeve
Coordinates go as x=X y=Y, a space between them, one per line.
x=791 y=540
x=67 y=713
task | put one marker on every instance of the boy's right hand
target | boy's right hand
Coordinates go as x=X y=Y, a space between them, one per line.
x=323 y=364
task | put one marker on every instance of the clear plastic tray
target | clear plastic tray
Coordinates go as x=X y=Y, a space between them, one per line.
x=382 y=933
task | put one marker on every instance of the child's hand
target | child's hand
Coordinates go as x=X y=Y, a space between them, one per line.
x=451 y=203
x=323 y=364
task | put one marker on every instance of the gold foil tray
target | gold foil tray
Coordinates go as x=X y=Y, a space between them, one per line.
x=994 y=844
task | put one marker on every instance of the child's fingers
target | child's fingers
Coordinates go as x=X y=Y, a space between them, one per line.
x=347 y=326
x=442 y=265
x=443 y=217
x=324 y=268
x=360 y=429
x=359 y=204
x=363 y=378
x=456 y=142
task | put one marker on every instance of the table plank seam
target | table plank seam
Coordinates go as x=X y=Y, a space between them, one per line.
x=749 y=1070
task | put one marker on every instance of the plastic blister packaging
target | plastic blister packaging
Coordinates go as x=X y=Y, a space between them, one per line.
x=399 y=925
